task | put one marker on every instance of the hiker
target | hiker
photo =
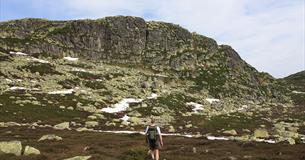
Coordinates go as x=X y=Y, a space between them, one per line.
x=154 y=139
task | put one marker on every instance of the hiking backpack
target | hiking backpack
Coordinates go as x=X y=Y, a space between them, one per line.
x=152 y=133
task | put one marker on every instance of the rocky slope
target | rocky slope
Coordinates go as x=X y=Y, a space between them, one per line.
x=116 y=73
x=296 y=83
x=161 y=47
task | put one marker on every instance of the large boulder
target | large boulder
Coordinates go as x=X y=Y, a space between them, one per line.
x=30 y=151
x=50 y=137
x=11 y=147
x=79 y=158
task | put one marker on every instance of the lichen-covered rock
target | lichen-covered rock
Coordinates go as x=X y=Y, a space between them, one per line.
x=230 y=132
x=61 y=126
x=31 y=151
x=90 y=124
x=11 y=147
x=261 y=133
x=50 y=137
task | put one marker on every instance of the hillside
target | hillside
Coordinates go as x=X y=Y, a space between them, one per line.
x=297 y=86
x=88 y=77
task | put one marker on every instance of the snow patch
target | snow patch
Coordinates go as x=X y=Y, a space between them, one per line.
x=298 y=92
x=18 y=53
x=68 y=91
x=70 y=59
x=14 y=88
x=265 y=140
x=79 y=70
x=39 y=60
x=8 y=80
x=125 y=118
x=196 y=105
x=211 y=100
x=152 y=96
x=217 y=138
x=121 y=106
x=17 y=88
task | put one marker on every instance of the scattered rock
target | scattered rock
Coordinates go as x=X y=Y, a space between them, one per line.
x=12 y=147
x=79 y=158
x=90 y=124
x=50 y=137
x=291 y=141
x=61 y=126
x=30 y=150
x=261 y=133
x=171 y=129
x=230 y=132
x=188 y=126
x=134 y=120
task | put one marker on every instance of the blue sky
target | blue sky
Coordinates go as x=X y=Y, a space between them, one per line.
x=268 y=34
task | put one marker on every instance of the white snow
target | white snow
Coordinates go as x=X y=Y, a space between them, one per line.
x=23 y=88
x=68 y=91
x=18 y=53
x=265 y=140
x=39 y=60
x=17 y=88
x=121 y=106
x=152 y=96
x=211 y=100
x=125 y=118
x=8 y=80
x=70 y=59
x=79 y=70
x=217 y=138
x=298 y=92
x=196 y=105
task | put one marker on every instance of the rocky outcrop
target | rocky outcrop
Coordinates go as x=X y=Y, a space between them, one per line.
x=159 y=46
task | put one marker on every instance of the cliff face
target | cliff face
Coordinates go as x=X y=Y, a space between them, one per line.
x=161 y=47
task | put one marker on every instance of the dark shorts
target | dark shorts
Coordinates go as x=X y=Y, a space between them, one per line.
x=154 y=144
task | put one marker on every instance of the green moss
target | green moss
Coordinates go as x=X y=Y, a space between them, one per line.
x=50 y=113
x=41 y=68
x=70 y=83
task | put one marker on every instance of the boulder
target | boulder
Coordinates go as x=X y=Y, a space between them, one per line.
x=134 y=120
x=30 y=151
x=291 y=141
x=171 y=129
x=11 y=147
x=50 y=137
x=61 y=126
x=261 y=133
x=230 y=132
x=90 y=124
x=188 y=126
x=79 y=158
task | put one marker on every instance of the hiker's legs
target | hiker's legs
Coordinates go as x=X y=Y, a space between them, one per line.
x=156 y=154
x=152 y=153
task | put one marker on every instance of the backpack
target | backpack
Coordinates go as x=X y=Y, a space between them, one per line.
x=152 y=133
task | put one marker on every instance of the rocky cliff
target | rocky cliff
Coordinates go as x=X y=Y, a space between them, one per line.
x=161 y=47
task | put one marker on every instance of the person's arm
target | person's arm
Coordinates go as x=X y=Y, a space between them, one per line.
x=160 y=135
